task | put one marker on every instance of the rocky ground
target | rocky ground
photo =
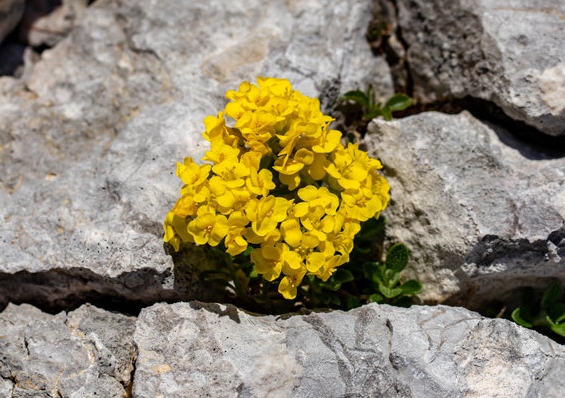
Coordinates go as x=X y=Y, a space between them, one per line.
x=100 y=99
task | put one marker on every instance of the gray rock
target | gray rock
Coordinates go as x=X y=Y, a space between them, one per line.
x=510 y=52
x=11 y=12
x=482 y=213
x=88 y=353
x=90 y=137
x=45 y=22
x=217 y=350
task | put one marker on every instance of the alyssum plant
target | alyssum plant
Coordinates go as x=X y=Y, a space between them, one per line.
x=281 y=196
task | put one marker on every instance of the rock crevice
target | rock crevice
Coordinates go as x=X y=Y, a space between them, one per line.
x=444 y=52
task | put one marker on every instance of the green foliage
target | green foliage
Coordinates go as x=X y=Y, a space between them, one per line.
x=385 y=278
x=547 y=314
x=372 y=109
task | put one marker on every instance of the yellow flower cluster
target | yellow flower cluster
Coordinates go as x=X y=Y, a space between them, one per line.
x=280 y=182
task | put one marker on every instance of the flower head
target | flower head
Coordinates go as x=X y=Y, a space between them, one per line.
x=279 y=182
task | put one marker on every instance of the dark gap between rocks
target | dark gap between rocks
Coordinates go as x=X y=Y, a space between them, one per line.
x=493 y=249
x=11 y=55
x=59 y=290
x=14 y=45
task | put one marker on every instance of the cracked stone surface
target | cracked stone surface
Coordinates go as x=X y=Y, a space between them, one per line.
x=199 y=349
x=510 y=52
x=374 y=350
x=482 y=213
x=90 y=135
x=85 y=353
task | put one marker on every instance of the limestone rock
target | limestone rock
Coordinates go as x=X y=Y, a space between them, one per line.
x=11 y=12
x=87 y=353
x=90 y=136
x=45 y=22
x=510 y=52
x=482 y=213
x=197 y=349
x=217 y=350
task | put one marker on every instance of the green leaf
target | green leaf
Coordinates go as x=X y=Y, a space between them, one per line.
x=558 y=312
x=371 y=228
x=398 y=102
x=358 y=97
x=372 y=272
x=330 y=299
x=340 y=277
x=411 y=286
x=371 y=96
x=373 y=113
x=557 y=328
x=389 y=293
x=331 y=284
x=363 y=247
x=517 y=317
x=397 y=257
x=376 y=298
x=386 y=113
x=343 y=275
x=551 y=295
x=351 y=302
x=391 y=278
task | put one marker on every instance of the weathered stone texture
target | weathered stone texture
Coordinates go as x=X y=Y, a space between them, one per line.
x=510 y=52
x=87 y=353
x=217 y=350
x=48 y=22
x=482 y=213
x=90 y=135
x=197 y=349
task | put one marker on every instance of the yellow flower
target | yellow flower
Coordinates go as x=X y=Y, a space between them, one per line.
x=292 y=181
x=329 y=266
x=260 y=183
x=272 y=140
x=235 y=242
x=345 y=171
x=191 y=173
x=277 y=87
x=367 y=201
x=233 y=200
x=291 y=231
x=319 y=197
x=208 y=228
x=270 y=238
x=294 y=270
x=343 y=240
x=328 y=141
x=175 y=230
x=268 y=260
x=299 y=130
x=266 y=213
x=288 y=166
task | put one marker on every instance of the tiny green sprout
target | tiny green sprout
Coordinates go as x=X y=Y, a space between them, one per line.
x=545 y=315
x=373 y=109
x=385 y=278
